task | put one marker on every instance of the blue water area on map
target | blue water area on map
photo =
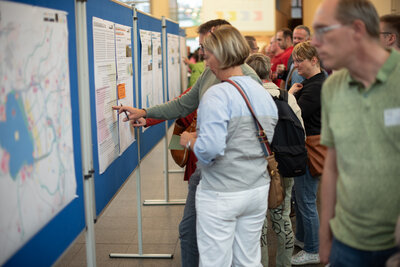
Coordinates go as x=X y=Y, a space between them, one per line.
x=15 y=136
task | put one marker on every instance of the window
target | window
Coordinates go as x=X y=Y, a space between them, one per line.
x=142 y=5
x=296 y=9
x=189 y=12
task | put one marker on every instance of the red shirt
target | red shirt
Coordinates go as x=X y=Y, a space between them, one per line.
x=282 y=58
x=286 y=55
x=275 y=61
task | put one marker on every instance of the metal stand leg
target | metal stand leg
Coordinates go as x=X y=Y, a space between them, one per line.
x=138 y=180
x=166 y=201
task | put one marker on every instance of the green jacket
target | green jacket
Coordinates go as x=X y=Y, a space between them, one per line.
x=186 y=104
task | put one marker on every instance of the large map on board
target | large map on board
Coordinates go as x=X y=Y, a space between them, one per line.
x=37 y=172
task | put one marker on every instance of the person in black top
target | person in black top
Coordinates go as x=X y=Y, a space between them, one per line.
x=308 y=95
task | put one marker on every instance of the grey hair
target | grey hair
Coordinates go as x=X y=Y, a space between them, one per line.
x=350 y=10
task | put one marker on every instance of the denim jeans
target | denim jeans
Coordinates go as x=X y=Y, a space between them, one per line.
x=345 y=256
x=282 y=226
x=307 y=221
x=187 y=226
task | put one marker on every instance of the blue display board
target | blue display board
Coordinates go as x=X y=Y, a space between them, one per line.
x=108 y=183
x=50 y=242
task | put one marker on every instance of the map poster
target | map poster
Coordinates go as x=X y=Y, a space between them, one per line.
x=123 y=46
x=37 y=172
x=105 y=81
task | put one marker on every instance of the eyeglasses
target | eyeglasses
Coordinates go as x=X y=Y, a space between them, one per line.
x=385 y=33
x=320 y=31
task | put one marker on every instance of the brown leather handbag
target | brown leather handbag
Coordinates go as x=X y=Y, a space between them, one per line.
x=316 y=154
x=181 y=156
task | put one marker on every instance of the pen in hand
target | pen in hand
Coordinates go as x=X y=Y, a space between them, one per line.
x=126 y=114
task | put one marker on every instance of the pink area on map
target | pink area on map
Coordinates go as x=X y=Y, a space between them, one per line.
x=23 y=175
x=5 y=160
x=2 y=113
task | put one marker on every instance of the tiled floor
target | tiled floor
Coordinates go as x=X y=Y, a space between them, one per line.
x=116 y=230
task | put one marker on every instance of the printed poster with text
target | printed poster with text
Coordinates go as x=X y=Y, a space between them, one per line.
x=123 y=45
x=106 y=93
x=146 y=70
x=147 y=91
x=157 y=68
x=184 y=67
x=174 y=79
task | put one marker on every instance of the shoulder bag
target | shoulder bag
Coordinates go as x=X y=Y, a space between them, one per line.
x=276 y=193
x=316 y=154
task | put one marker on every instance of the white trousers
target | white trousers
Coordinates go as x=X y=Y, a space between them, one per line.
x=229 y=226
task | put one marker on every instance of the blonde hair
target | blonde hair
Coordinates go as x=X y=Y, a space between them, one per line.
x=261 y=64
x=227 y=45
x=304 y=51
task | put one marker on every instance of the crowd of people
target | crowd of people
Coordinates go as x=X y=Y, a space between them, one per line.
x=342 y=82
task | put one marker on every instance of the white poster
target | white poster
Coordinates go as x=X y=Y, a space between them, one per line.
x=157 y=68
x=147 y=69
x=37 y=172
x=259 y=15
x=123 y=45
x=106 y=93
x=183 y=66
x=174 y=79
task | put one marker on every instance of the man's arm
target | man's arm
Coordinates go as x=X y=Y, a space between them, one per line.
x=182 y=106
x=177 y=108
x=328 y=201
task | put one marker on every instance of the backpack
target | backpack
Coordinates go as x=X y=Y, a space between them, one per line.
x=289 y=143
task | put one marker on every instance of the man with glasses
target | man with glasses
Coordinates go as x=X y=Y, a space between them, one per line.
x=390 y=31
x=360 y=199
x=178 y=108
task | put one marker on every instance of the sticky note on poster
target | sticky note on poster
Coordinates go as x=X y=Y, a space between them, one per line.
x=121 y=90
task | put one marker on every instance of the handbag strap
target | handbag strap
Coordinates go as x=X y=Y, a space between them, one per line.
x=262 y=136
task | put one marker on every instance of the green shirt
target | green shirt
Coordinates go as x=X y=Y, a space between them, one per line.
x=186 y=104
x=363 y=125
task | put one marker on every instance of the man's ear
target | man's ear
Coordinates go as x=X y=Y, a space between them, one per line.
x=392 y=39
x=359 y=29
